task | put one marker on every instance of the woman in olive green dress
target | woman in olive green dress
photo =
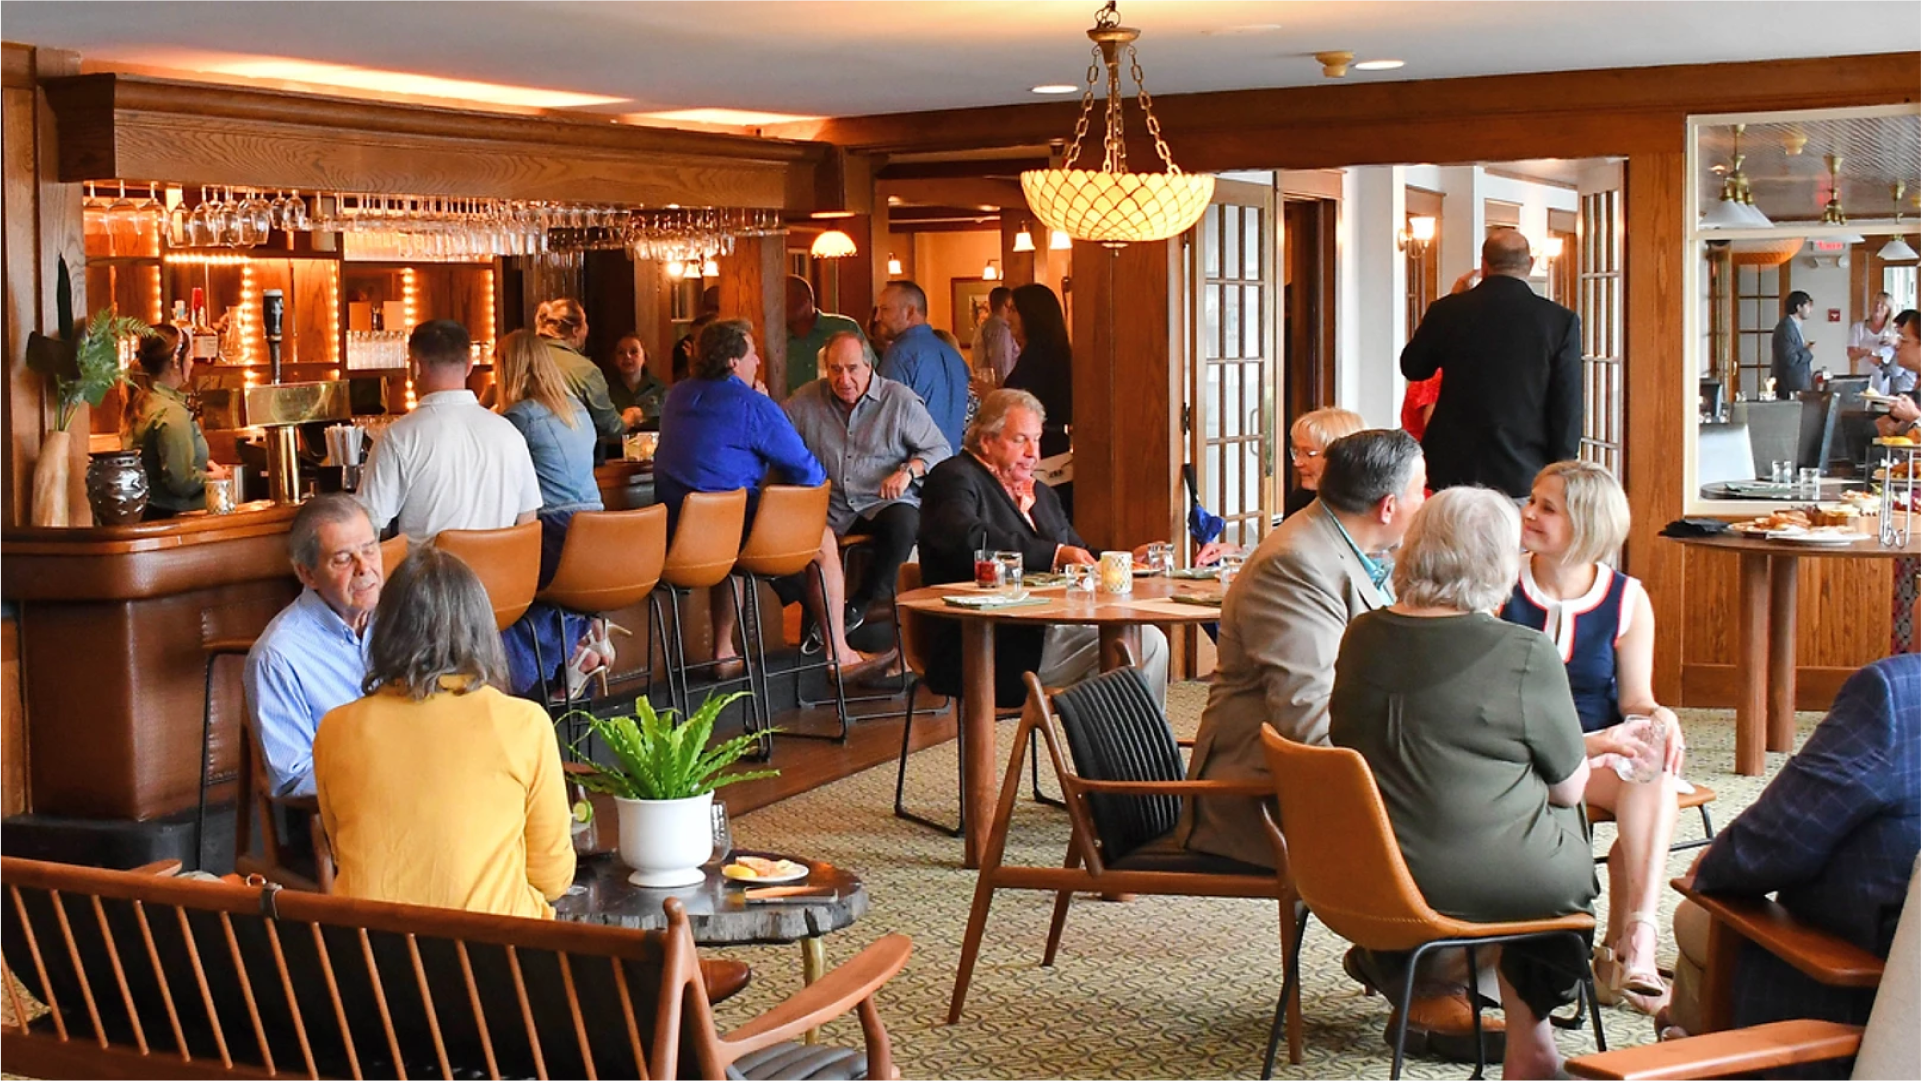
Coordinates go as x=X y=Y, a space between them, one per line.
x=161 y=427
x=1470 y=729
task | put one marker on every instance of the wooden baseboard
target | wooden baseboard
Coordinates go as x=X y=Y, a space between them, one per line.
x=1718 y=686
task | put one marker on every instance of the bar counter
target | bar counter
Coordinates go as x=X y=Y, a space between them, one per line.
x=111 y=625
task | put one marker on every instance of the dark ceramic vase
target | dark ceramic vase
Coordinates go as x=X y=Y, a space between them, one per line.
x=116 y=487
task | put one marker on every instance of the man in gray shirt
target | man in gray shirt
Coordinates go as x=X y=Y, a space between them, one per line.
x=994 y=348
x=876 y=441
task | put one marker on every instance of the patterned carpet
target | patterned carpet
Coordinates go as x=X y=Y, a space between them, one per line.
x=1159 y=987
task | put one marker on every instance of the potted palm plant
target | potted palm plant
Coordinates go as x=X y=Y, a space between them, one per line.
x=663 y=781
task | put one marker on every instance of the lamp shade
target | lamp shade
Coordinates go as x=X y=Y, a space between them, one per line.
x=893 y=266
x=1897 y=250
x=833 y=244
x=1023 y=241
x=1117 y=208
x=1058 y=240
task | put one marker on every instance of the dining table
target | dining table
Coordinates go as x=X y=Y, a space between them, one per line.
x=1157 y=600
x=1766 y=603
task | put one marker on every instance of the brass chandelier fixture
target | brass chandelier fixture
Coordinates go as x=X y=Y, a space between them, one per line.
x=1112 y=205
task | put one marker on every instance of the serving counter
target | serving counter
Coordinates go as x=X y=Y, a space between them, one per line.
x=111 y=625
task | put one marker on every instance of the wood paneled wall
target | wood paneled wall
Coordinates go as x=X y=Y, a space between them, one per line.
x=13 y=723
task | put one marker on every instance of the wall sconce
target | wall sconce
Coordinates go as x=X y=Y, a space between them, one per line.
x=1418 y=234
x=1058 y=240
x=1551 y=249
x=710 y=269
x=1023 y=241
x=676 y=270
x=893 y=266
x=992 y=271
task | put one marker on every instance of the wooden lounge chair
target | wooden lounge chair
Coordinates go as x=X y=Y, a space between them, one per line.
x=151 y=976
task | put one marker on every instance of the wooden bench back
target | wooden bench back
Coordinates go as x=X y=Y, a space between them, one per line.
x=149 y=976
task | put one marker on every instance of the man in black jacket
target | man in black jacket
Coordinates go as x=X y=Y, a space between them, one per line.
x=987 y=497
x=1511 y=399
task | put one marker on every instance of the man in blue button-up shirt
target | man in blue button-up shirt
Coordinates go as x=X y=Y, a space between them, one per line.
x=921 y=360
x=313 y=655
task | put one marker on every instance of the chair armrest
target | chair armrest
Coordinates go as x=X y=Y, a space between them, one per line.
x=1816 y=953
x=158 y=868
x=1741 y=1052
x=1174 y=788
x=1188 y=743
x=834 y=994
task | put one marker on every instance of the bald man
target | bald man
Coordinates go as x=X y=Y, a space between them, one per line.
x=1511 y=402
x=808 y=329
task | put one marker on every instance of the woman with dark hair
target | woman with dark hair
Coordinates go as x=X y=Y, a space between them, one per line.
x=1046 y=370
x=718 y=434
x=437 y=788
x=161 y=427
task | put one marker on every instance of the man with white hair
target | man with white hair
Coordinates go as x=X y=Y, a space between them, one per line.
x=876 y=441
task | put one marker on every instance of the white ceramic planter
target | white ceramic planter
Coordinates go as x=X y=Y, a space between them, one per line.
x=665 y=841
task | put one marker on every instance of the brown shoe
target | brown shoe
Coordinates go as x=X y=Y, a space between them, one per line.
x=1443 y=1026
x=872 y=665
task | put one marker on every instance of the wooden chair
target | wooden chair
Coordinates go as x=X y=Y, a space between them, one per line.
x=610 y=561
x=1124 y=800
x=256 y=809
x=1886 y=1048
x=1695 y=800
x=147 y=976
x=1343 y=859
x=215 y=649
x=701 y=555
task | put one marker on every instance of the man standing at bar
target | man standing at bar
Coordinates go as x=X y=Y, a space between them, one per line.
x=876 y=442
x=1511 y=402
x=808 y=330
x=994 y=348
x=917 y=358
x=451 y=463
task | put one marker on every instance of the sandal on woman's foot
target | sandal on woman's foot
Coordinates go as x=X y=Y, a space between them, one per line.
x=1645 y=981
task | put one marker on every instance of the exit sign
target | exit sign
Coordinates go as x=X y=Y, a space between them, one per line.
x=1830 y=247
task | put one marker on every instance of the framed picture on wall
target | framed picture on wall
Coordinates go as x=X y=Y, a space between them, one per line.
x=970 y=307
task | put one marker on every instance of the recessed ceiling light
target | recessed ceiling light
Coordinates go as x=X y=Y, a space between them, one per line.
x=403 y=82
x=1379 y=65
x=733 y=118
x=1055 y=88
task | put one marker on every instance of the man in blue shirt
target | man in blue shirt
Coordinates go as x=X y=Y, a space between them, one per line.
x=921 y=360
x=313 y=655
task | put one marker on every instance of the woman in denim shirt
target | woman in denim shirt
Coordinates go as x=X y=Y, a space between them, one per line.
x=532 y=394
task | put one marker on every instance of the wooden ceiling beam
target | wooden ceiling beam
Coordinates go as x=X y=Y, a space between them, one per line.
x=1263 y=128
x=976 y=191
x=970 y=167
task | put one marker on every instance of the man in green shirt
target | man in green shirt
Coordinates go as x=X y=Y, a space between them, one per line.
x=808 y=329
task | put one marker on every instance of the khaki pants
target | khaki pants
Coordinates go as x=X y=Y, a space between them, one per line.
x=1690 y=967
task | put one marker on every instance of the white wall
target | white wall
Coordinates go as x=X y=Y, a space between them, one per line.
x=1828 y=285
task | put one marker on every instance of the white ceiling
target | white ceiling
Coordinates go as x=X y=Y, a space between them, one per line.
x=846 y=58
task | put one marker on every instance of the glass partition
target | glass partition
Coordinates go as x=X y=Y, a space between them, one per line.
x=1822 y=208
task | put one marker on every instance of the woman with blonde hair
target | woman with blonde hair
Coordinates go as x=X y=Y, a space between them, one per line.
x=563 y=323
x=1602 y=626
x=532 y=394
x=1308 y=439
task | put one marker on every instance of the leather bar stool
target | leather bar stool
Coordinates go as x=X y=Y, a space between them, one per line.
x=785 y=541
x=850 y=546
x=507 y=562
x=611 y=560
x=701 y=555
x=392 y=551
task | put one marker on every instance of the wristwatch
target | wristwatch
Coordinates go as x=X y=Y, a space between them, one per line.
x=908 y=465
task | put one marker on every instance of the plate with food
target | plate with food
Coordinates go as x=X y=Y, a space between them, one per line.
x=1781 y=523
x=762 y=871
x=1822 y=534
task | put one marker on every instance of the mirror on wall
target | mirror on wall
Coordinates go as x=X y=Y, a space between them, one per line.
x=1800 y=222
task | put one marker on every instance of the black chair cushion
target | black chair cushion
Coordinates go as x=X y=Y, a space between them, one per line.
x=1117 y=732
x=799 y=1062
x=1164 y=854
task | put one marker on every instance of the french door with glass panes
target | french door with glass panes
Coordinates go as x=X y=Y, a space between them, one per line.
x=1233 y=364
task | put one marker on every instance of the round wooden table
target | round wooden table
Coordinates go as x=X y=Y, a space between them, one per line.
x=1764 y=653
x=1119 y=617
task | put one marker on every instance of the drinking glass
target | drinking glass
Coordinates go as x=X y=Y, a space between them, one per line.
x=1160 y=558
x=1230 y=567
x=723 y=834
x=1783 y=472
x=1647 y=766
x=1811 y=482
x=987 y=572
x=1010 y=572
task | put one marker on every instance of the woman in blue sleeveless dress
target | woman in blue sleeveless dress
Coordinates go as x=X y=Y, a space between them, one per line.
x=1603 y=627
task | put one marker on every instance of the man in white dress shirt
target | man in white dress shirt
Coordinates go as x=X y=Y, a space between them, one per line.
x=450 y=464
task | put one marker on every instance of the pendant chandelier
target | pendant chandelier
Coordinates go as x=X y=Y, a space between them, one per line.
x=1111 y=205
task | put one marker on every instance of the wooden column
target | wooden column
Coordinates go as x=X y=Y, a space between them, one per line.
x=1127 y=446
x=753 y=286
x=855 y=275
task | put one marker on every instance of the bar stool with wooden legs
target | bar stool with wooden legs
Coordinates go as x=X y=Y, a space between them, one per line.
x=785 y=541
x=610 y=561
x=700 y=556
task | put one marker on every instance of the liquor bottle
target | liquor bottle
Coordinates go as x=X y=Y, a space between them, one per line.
x=206 y=341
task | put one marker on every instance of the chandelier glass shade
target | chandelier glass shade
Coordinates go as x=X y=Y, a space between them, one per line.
x=833 y=244
x=1113 y=205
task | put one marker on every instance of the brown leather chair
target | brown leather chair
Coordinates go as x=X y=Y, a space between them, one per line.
x=1338 y=848
x=611 y=560
x=507 y=561
x=392 y=551
x=784 y=541
x=215 y=649
x=701 y=555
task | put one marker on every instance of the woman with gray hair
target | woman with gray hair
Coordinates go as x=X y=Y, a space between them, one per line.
x=437 y=788
x=1469 y=728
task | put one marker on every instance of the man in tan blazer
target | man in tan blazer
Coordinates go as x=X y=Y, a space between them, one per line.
x=1282 y=622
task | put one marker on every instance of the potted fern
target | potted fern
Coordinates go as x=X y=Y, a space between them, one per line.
x=663 y=782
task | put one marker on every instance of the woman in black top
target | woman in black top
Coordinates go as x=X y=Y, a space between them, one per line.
x=1046 y=370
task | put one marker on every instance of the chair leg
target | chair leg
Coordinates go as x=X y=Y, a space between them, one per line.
x=1399 y=1024
x=1474 y=1005
x=206 y=736
x=1062 y=899
x=1587 y=990
x=677 y=690
x=1287 y=1010
x=1034 y=768
x=900 y=775
x=971 y=945
x=754 y=651
x=1296 y=1034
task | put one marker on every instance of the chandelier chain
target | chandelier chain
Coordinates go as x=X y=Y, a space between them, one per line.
x=1115 y=141
x=1147 y=111
x=1087 y=110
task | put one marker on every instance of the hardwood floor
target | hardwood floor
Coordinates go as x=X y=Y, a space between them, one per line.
x=806 y=764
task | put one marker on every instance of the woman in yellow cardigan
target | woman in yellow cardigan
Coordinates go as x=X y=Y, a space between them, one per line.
x=437 y=788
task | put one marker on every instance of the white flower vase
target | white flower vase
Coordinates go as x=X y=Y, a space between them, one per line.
x=665 y=841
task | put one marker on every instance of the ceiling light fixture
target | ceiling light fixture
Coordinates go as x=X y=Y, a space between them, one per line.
x=1735 y=209
x=823 y=215
x=710 y=268
x=1058 y=240
x=992 y=271
x=1897 y=249
x=1379 y=65
x=893 y=266
x=833 y=244
x=1114 y=206
x=1055 y=88
x=1023 y=240
x=1334 y=64
x=1832 y=213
